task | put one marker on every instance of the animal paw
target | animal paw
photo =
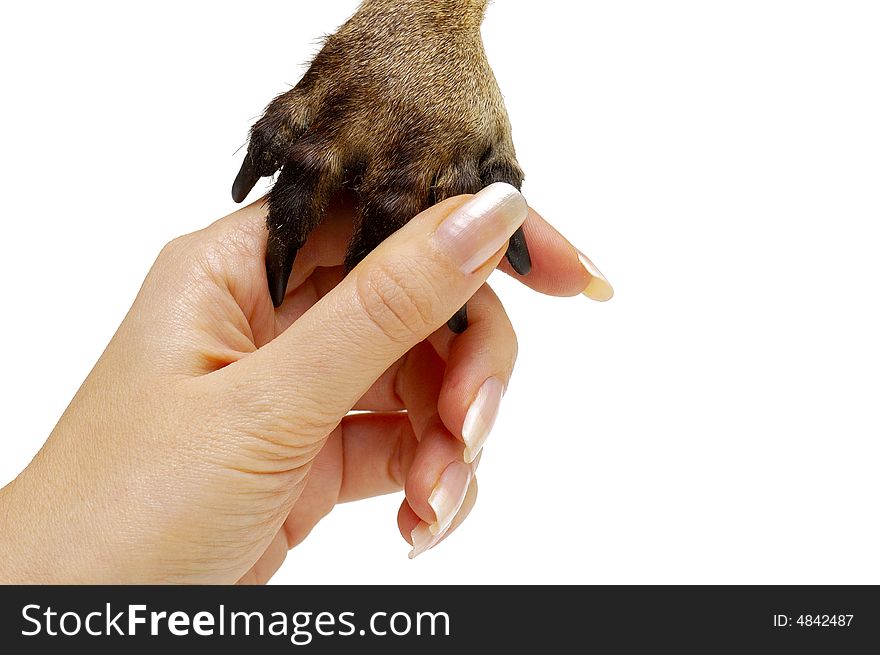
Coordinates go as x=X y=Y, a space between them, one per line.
x=401 y=106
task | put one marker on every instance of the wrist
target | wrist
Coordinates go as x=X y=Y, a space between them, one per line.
x=40 y=541
x=11 y=561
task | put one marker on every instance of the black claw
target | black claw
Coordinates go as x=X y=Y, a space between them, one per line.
x=518 y=253
x=278 y=274
x=245 y=180
x=459 y=322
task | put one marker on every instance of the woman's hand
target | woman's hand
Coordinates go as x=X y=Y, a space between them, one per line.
x=215 y=432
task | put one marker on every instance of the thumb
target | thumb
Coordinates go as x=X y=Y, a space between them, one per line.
x=311 y=376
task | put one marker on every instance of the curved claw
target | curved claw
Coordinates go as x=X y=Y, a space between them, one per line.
x=518 y=253
x=278 y=268
x=459 y=322
x=245 y=180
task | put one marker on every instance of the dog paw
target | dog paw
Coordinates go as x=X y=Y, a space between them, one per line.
x=401 y=106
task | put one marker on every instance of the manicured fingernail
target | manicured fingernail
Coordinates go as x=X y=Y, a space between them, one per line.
x=423 y=540
x=425 y=536
x=482 y=226
x=447 y=497
x=598 y=288
x=481 y=417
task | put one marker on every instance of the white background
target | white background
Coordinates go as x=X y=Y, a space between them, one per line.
x=717 y=422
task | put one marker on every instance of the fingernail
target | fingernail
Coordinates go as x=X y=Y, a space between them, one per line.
x=423 y=540
x=598 y=288
x=482 y=226
x=446 y=500
x=481 y=417
x=448 y=495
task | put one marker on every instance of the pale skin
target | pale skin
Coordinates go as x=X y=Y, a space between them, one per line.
x=215 y=431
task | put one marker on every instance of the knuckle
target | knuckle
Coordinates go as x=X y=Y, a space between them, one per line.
x=175 y=248
x=514 y=351
x=399 y=301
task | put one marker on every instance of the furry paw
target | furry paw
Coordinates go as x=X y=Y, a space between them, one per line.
x=401 y=106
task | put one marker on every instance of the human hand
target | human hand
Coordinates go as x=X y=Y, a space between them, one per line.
x=214 y=432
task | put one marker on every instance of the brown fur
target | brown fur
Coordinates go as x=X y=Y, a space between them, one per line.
x=401 y=105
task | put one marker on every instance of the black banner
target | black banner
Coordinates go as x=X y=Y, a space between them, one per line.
x=434 y=619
